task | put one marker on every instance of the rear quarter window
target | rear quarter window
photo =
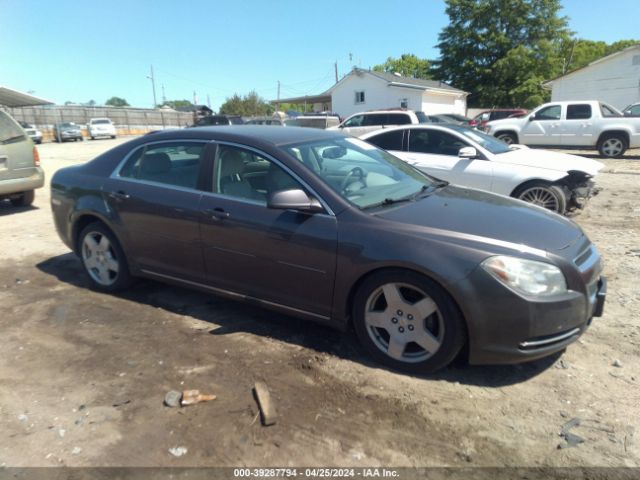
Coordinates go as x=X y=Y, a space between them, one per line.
x=388 y=140
x=9 y=129
x=399 y=119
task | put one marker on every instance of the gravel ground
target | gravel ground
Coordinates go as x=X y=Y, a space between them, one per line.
x=83 y=375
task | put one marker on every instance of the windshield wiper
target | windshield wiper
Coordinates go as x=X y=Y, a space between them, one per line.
x=424 y=191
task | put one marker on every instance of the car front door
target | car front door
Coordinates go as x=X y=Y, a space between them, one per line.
x=285 y=257
x=436 y=152
x=577 y=128
x=156 y=195
x=542 y=127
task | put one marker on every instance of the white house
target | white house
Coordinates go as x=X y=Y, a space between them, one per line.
x=614 y=79
x=362 y=90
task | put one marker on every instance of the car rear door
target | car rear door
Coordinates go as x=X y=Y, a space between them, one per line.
x=156 y=196
x=16 y=157
x=284 y=257
x=543 y=127
x=577 y=126
x=435 y=152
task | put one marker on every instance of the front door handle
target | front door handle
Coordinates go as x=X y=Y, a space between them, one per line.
x=216 y=213
x=119 y=195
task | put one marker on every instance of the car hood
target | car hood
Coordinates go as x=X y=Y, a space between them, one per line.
x=464 y=212
x=549 y=160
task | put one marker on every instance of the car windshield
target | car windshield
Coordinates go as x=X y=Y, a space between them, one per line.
x=100 y=122
x=67 y=125
x=487 y=142
x=362 y=173
x=422 y=118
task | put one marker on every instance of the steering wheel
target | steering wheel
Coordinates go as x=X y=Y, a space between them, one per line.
x=360 y=173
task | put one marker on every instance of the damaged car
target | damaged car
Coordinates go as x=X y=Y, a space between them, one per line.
x=556 y=181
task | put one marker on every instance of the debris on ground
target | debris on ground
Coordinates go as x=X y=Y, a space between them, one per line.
x=571 y=439
x=265 y=403
x=76 y=450
x=191 y=397
x=617 y=363
x=172 y=398
x=178 y=451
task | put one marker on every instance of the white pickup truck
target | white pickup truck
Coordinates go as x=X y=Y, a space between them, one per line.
x=576 y=124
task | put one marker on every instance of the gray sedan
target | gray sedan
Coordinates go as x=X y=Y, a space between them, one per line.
x=329 y=228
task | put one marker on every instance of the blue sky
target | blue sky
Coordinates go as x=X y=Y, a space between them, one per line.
x=81 y=50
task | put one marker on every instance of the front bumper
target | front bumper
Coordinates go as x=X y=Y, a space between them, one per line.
x=505 y=327
x=581 y=194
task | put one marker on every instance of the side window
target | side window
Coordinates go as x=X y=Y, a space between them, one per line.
x=244 y=174
x=549 y=113
x=635 y=110
x=375 y=119
x=578 y=111
x=388 y=141
x=399 y=119
x=499 y=115
x=434 y=142
x=354 y=121
x=176 y=163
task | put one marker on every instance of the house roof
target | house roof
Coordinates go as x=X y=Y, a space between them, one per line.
x=13 y=98
x=606 y=58
x=396 y=80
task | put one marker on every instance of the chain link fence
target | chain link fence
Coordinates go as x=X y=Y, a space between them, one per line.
x=128 y=121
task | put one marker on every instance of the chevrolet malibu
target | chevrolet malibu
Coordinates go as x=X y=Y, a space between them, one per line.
x=329 y=228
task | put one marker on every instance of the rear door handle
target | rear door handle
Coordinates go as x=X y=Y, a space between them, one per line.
x=119 y=195
x=216 y=213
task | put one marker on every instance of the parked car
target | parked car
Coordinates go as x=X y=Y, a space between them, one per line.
x=33 y=132
x=313 y=121
x=575 y=124
x=265 y=121
x=211 y=120
x=361 y=123
x=449 y=118
x=63 y=132
x=469 y=158
x=632 y=110
x=101 y=127
x=480 y=120
x=20 y=172
x=326 y=227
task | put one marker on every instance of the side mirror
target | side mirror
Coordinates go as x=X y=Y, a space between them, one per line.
x=295 y=199
x=532 y=118
x=468 y=152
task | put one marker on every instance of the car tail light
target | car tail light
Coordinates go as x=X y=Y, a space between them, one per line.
x=36 y=157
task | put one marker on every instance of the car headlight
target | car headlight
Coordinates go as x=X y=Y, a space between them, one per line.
x=526 y=276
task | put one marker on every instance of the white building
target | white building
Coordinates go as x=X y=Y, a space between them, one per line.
x=614 y=79
x=362 y=90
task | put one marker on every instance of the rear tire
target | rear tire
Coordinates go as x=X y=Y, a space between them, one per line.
x=103 y=259
x=507 y=137
x=407 y=321
x=544 y=195
x=612 y=145
x=24 y=200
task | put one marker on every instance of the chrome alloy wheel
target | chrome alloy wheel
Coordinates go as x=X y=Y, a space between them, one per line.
x=541 y=196
x=404 y=322
x=100 y=259
x=612 y=147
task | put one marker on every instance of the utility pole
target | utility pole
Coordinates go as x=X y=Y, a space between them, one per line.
x=153 y=85
x=164 y=98
x=208 y=101
x=278 y=102
x=336 y=65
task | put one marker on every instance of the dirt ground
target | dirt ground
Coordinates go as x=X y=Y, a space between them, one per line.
x=83 y=375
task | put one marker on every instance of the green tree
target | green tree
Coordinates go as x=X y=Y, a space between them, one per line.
x=501 y=50
x=580 y=52
x=116 y=102
x=408 y=65
x=248 y=105
x=90 y=103
x=177 y=103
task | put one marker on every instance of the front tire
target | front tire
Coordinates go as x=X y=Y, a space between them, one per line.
x=24 y=200
x=612 y=145
x=103 y=259
x=544 y=195
x=407 y=321
x=507 y=137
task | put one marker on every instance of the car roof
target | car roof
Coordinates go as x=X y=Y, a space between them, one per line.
x=423 y=126
x=272 y=134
